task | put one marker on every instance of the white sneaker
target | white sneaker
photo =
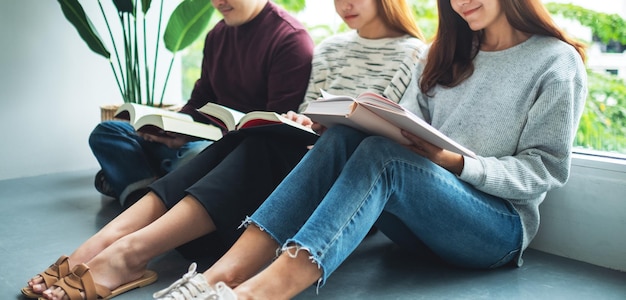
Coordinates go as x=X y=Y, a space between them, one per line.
x=194 y=286
x=224 y=292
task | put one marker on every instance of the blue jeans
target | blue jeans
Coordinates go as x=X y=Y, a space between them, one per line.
x=349 y=181
x=131 y=163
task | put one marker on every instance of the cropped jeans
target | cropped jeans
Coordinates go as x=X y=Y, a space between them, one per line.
x=350 y=181
x=129 y=162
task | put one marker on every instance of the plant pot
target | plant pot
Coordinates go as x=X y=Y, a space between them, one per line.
x=107 y=111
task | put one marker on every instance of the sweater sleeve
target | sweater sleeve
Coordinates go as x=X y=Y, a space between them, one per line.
x=544 y=148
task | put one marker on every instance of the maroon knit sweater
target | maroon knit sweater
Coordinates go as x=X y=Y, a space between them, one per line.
x=264 y=64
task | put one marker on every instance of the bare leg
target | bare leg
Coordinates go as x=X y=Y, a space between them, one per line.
x=285 y=278
x=144 y=212
x=125 y=260
x=252 y=251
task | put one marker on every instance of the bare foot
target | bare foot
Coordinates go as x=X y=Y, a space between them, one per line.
x=59 y=269
x=102 y=278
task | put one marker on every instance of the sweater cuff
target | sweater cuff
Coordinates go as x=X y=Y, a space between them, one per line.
x=473 y=171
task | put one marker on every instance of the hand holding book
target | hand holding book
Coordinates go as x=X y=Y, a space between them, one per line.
x=258 y=122
x=451 y=161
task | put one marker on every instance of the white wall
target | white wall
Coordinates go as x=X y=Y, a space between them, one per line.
x=51 y=87
x=586 y=219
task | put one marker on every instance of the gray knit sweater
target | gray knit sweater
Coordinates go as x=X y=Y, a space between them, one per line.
x=519 y=112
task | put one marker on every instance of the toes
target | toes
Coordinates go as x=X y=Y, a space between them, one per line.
x=38 y=288
x=46 y=294
x=34 y=280
x=50 y=293
x=37 y=284
x=56 y=293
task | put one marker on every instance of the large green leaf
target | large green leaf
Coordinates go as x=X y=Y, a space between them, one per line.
x=189 y=20
x=75 y=14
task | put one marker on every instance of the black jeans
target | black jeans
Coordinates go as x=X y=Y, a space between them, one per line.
x=230 y=178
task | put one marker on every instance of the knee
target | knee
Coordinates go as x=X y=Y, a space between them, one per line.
x=113 y=127
x=341 y=134
x=107 y=129
x=375 y=145
x=254 y=141
x=340 y=131
x=95 y=136
x=380 y=150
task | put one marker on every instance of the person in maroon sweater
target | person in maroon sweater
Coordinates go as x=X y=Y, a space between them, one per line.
x=257 y=58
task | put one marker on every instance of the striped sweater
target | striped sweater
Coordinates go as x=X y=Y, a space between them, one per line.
x=347 y=64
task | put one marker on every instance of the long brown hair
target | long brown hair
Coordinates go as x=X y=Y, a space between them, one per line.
x=451 y=54
x=397 y=15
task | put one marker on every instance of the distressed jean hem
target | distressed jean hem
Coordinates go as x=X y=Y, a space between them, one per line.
x=291 y=247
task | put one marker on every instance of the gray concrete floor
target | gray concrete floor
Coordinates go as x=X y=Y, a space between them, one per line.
x=45 y=216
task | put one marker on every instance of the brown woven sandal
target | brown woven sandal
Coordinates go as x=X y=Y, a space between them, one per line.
x=80 y=281
x=50 y=276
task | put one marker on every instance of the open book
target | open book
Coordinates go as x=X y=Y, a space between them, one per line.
x=377 y=115
x=264 y=122
x=160 y=121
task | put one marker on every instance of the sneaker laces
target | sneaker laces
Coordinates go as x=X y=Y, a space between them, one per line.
x=187 y=288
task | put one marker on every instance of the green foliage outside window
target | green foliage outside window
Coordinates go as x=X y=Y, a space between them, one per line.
x=603 y=124
x=607 y=27
x=425 y=12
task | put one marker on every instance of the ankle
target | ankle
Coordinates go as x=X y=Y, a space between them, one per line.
x=227 y=276
x=111 y=271
x=117 y=264
x=128 y=255
x=245 y=293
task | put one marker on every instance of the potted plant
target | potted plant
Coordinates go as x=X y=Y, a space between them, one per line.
x=132 y=57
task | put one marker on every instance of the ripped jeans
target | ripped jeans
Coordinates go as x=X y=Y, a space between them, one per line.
x=349 y=181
